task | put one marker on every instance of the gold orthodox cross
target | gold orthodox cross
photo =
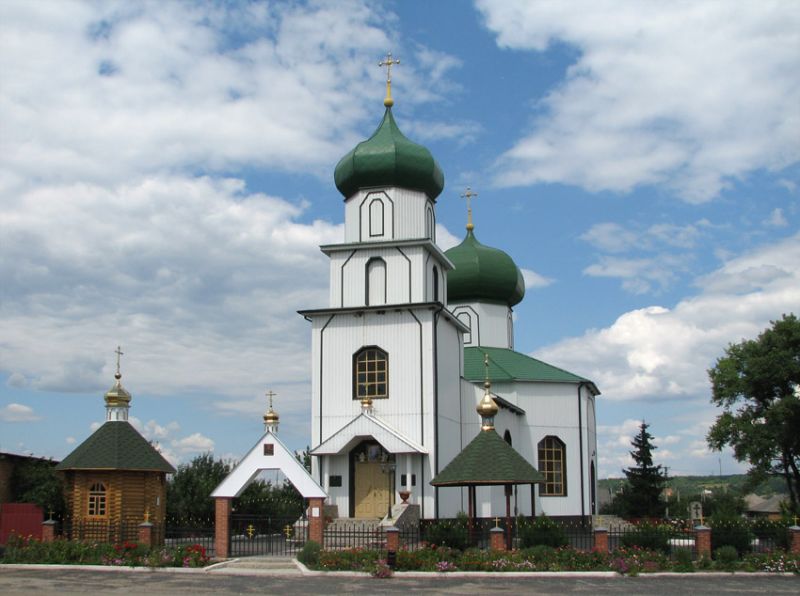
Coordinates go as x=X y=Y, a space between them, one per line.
x=250 y=531
x=119 y=353
x=287 y=529
x=469 y=195
x=270 y=394
x=388 y=101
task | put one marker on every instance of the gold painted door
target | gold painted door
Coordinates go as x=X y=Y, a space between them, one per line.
x=371 y=490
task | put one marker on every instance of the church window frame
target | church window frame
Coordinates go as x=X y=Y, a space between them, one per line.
x=376 y=218
x=375 y=269
x=370 y=373
x=435 y=274
x=466 y=318
x=97 y=500
x=553 y=464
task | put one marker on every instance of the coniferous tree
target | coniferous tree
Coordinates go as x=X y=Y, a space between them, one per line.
x=642 y=494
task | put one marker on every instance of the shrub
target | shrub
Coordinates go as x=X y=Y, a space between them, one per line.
x=649 y=537
x=683 y=560
x=726 y=557
x=542 y=531
x=735 y=532
x=309 y=554
x=449 y=532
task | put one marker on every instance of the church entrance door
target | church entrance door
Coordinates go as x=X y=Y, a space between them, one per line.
x=371 y=490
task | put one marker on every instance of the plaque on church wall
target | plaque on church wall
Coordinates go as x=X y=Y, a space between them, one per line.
x=269 y=449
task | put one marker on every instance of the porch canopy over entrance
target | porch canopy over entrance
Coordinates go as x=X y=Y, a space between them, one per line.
x=364 y=426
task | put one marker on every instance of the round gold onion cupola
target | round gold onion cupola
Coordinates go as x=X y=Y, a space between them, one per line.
x=487 y=408
x=271 y=417
x=118 y=396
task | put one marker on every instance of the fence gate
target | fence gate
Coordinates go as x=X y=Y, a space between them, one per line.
x=254 y=535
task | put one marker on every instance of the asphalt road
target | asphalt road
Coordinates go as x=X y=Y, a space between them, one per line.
x=69 y=582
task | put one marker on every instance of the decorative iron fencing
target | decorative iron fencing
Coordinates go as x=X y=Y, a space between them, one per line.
x=344 y=535
x=111 y=531
x=252 y=535
x=188 y=535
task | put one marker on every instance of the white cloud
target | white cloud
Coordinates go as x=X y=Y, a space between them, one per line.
x=194 y=443
x=445 y=239
x=70 y=440
x=196 y=278
x=18 y=413
x=534 y=280
x=776 y=219
x=657 y=353
x=653 y=97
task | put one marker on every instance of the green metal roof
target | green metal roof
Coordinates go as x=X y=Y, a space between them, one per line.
x=508 y=365
x=388 y=158
x=116 y=446
x=483 y=273
x=488 y=460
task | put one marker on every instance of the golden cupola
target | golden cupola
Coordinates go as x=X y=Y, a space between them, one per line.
x=118 y=399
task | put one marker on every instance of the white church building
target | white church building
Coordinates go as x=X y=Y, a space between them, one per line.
x=398 y=355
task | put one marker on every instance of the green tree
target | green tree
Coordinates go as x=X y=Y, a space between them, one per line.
x=36 y=481
x=189 y=492
x=641 y=496
x=757 y=383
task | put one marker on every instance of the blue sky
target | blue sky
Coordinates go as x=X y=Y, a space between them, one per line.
x=166 y=178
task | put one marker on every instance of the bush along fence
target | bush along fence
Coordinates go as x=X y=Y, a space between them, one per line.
x=545 y=545
x=542 y=543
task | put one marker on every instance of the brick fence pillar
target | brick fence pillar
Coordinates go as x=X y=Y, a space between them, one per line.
x=794 y=539
x=222 y=527
x=48 y=531
x=702 y=540
x=392 y=545
x=497 y=539
x=146 y=534
x=601 y=540
x=316 y=520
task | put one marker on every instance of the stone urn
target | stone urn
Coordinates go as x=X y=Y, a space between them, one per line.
x=404 y=494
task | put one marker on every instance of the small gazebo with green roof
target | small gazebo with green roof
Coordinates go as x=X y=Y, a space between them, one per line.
x=488 y=461
x=115 y=479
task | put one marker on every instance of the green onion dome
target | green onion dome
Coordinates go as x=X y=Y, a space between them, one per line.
x=483 y=273
x=388 y=158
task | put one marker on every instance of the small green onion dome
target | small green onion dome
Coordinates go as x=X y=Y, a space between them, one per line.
x=483 y=273
x=388 y=158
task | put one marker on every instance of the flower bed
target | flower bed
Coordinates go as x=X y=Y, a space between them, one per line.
x=626 y=560
x=22 y=549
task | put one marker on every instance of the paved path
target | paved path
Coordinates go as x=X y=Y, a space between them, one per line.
x=70 y=582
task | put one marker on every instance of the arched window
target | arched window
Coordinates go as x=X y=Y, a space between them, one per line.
x=376 y=218
x=430 y=224
x=435 y=283
x=370 y=373
x=466 y=318
x=510 y=324
x=97 y=499
x=507 y=437
x=376 y=282
x=552 y=463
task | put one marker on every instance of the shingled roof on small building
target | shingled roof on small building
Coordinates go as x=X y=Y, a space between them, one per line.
x=488 y=460
x=116 y=445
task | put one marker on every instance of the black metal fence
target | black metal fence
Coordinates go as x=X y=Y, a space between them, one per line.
x=191 y=534
x=252 y=535
x=354 y=534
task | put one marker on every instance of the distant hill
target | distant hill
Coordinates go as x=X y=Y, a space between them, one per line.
x=686 y=486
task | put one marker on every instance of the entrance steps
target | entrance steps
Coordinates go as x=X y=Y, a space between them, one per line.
x=354 y=524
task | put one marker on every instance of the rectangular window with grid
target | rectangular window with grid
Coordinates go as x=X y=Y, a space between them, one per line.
x=552 y=463
x=97 y=499
x=371 y=374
